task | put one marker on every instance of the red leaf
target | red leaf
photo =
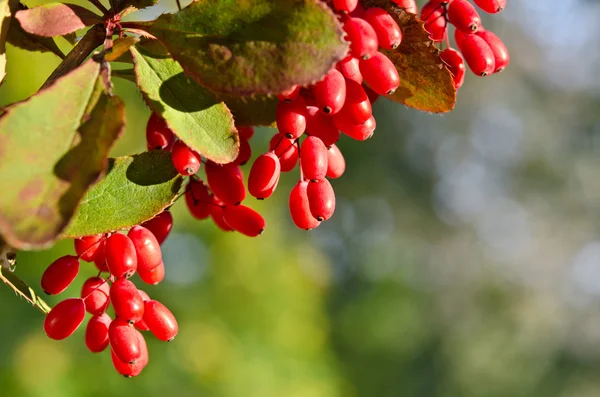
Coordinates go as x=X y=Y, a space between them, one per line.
x=56 y=19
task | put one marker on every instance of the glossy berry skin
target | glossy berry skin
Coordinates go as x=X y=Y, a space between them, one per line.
x=349 y=68
x=290 y=94
x=130 y=370
x=336 y=164
x=121 y=257
x=185 y=160
x=244 y=220
x=160 y=226
x=456 y=65
x=291 y=117
x=388 y=32
x=158 y=134
x=60 y=274
x=87 y=247
x=217 y=213
x=313 y=158
x=330 y=93
x=491 y=6
x=435 y=21
x=245 y=132
x=300 y=209
x=147 y=249
x=198 y=199
x=357 y=108
x=226 y=182
x=287 y=151
x=380 y=74
x=154 y=276
x=321 y=199
x=408 y=5
x=160 y=321
x=141 y=325
x=245 y=152
x=345 y=5
x=360 y=132
x=100 y=257
x=96 y=332
x=64 y=318
x=463 y=15
x=362 y=38
x=321 y=126
x=501 y=56
x=264 y=175
x=95 y=292
x=124 y=341
x=478 y=55
x=126 y=300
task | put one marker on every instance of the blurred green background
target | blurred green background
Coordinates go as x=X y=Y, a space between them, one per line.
x=463 y=259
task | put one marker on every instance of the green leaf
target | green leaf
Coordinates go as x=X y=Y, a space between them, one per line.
x=190 y=110
x=135 y=189
x=425 y=84
x=53 y=146
x=243 y=47
x=251 y=110
x=27 y=41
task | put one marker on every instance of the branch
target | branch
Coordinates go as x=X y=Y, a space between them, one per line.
x=100 y=6
x=23 y=290
x=90 y=41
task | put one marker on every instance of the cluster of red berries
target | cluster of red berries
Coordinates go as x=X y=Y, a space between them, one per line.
x=482 y=50
x=121 y=256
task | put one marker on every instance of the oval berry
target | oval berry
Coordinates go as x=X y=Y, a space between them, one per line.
x=95 y=292
x=245 y=132
x=357 y=108
x=290 y=94
x=321 y=199
x=478 y=55
x=60 y=274
x=409 y=6
x=197 y=199
x=313 y=158
x=154 y=276
x=87 y=247
x=217 y=213
x=185 y=160
x=121 y=257
x=158 y=134
x=130 y=370
x=300 y=209
x=345 y=5
x=501 y=56
x=64 y=318
x=456 y=65
x=291 y=117
x=388 y=32
x=264 y=175
x=141 y=325
x=336 y=164
x=491 y=6
x=160 y=226
x=362 y=38
x=287 y=151
x=160 y=320
x=147 y=249
x=124 y=341
x=349 y=68
x=127 y=301
x=96 y=332
x=463 y=15
x=380 y=74
x=435 y=20
x=226 y=182
x=362 y=131
x=321 y=126
x=330 y=93
x=245 y=152
x=244 y=220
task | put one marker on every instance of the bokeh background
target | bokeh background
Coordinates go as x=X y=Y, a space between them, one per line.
x=463 y=259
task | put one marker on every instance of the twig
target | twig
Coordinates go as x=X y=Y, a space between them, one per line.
x=23 y=290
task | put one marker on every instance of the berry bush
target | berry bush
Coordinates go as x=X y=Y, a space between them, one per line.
x=209 y=73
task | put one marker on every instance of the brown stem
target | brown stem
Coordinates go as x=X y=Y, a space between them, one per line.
x=90 y=41
x=99 y=6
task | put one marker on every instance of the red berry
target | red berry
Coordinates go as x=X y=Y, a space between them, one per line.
x=287 y=151
x=124 y=341
x=491 y=6
x=388 y=32
x=127 y=301
x=478 y=55
x=96 y=332
x=291 y=117
x=360 y=132
x=501 y=56
x=129 y=370
x=244 y=220
x=160 y=226
x=160 y=320
x=321 y=126
x=408 y=5
x=372 y=95
x=64 y=318
x=456 y=65
x=226 y=182
x=95 y=292
x=141 y=325
x=60 y=274
x=300 y=209
x=153 y=276
x=121 y=257
x=186 y=161
x=435 y=20
x=87 y=247
x=100 y=257
x=345 y=5
x=357 y=108
x=158 y=134
x=290 y=94
x=321 y=199
x=149 y=255
x=330 y=93
x=198 y=199
x=313 y=158
x=350 y=70
x=245 y=132
x=463 y=15
x=362 y=38
x=244 y=153
x=264 y=175
x=380 y=73
x=217 y=213
x=336 y=164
